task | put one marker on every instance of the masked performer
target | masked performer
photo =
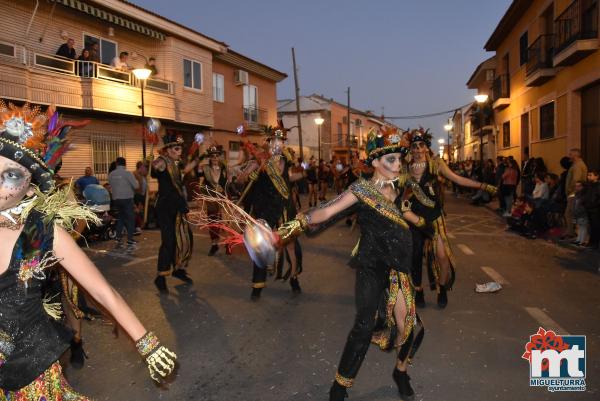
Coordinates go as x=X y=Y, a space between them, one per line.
x=422 y=187
x=171 y=208
x=213 y=178
x=267 y=196
x=34 y=220
x=384 y=293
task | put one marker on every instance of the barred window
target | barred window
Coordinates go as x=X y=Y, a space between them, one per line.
x=506 y=135
x=105 y=150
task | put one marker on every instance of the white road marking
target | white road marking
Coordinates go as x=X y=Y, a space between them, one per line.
x=108 y=253
x=465 y=249
x=140 y=260
x=451 y=236
x=545 y=321
x=497 y=277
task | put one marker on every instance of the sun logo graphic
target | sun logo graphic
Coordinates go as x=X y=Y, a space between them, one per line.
x=556 y=362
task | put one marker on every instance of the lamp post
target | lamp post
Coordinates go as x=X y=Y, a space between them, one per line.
x=481 y=99
x=319 y=121
x=448 y=127
x=142 y=75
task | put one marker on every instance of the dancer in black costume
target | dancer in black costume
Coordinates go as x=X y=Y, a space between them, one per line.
x=34 y=219
x=384 y=293
x=422 y=187
x=171 y=207
x=267 y=196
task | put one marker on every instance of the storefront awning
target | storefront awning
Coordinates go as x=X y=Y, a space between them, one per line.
x=112 y=18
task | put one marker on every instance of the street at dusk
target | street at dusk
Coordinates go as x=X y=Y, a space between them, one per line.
x=286 y=347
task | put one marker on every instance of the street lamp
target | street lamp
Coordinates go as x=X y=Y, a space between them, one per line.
x=481 y=99
x=319 y=121
x=441 y=142
x=142 y=75
x=448 y=127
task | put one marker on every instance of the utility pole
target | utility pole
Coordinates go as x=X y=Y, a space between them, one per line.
x=349 y=128
x=298 y=105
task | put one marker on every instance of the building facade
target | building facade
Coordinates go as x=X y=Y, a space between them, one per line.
x=546 y=89
x=338 y=138
x=180 y=94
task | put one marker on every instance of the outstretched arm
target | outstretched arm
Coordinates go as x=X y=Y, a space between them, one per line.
x=457 y=179
x=321 y=215
x=159 y=359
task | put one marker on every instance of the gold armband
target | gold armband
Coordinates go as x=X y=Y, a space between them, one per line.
x=420 y=222
x=159 y=359
x=293 y=228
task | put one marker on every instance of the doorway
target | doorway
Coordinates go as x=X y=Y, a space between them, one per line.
x=590 y=126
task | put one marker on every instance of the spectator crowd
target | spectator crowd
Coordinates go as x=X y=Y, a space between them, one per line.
x=536 y=202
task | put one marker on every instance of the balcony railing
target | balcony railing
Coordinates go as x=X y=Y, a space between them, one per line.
x=91 y=69
x=501 y=87
x=255 y=117
x=539 y=54
x=578 y=22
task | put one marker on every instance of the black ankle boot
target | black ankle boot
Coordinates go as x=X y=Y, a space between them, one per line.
x=182 y=275
x=402 y=380
x=442 y=298
x=337 y=392
x=213 y=249
x=78 y=355
x=419 y=298
x=295 y=285
x=255 y=295
x=161 y=283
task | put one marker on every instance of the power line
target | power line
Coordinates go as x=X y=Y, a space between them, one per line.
x=440 y=113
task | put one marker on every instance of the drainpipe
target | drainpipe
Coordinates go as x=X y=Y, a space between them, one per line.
x=37 y=4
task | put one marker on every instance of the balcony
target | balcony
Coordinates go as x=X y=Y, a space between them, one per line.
x=539 y=61
x=576 y=32
x=255 y=118
x=501 y=92
x=48 y=79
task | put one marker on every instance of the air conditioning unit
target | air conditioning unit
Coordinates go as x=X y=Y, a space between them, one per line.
x=358 y=122
x=240 y=77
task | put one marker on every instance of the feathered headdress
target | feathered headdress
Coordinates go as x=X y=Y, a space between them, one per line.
x=277 y=132
x=35 y=140
x=420 y=135
x=386 y=140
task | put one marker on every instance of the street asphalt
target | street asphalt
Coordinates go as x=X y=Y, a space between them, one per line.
x=286 y=347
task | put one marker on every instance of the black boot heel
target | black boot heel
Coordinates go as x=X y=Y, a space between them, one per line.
x=337 y=392
x=402 y=380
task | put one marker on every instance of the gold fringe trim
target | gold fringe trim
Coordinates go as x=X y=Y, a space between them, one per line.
x=344 y=381
x=53 y=309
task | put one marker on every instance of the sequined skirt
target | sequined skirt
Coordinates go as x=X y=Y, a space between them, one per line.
x=49 y=386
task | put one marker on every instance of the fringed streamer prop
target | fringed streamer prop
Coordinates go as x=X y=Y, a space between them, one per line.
x=236 y=227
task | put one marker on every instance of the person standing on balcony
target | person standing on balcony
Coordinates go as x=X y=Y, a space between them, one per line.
x=85 y=68
x=151 y=65
x=94 y=53
x=120 y=63
x=67 y=49
x=171 y=209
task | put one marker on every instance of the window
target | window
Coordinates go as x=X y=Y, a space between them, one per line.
x=104 y=151
x=107 y=48
x=340 y=133
x=523 y=44
x=7 y=49
x=547 y=121
x=192 y=74
x=251 y=103
x=506 y=134
x=234 y=146
x=218 y=88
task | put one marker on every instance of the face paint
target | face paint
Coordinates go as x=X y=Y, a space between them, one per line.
x=418 y=151
x=389 y=165
x=276 y=146
x=174 y=152
x=15 y=181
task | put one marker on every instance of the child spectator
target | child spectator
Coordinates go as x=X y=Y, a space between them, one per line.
x=541 y=191
x=580 y=215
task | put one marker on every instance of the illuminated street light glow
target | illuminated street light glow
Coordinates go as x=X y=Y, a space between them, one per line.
x=481 y=98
